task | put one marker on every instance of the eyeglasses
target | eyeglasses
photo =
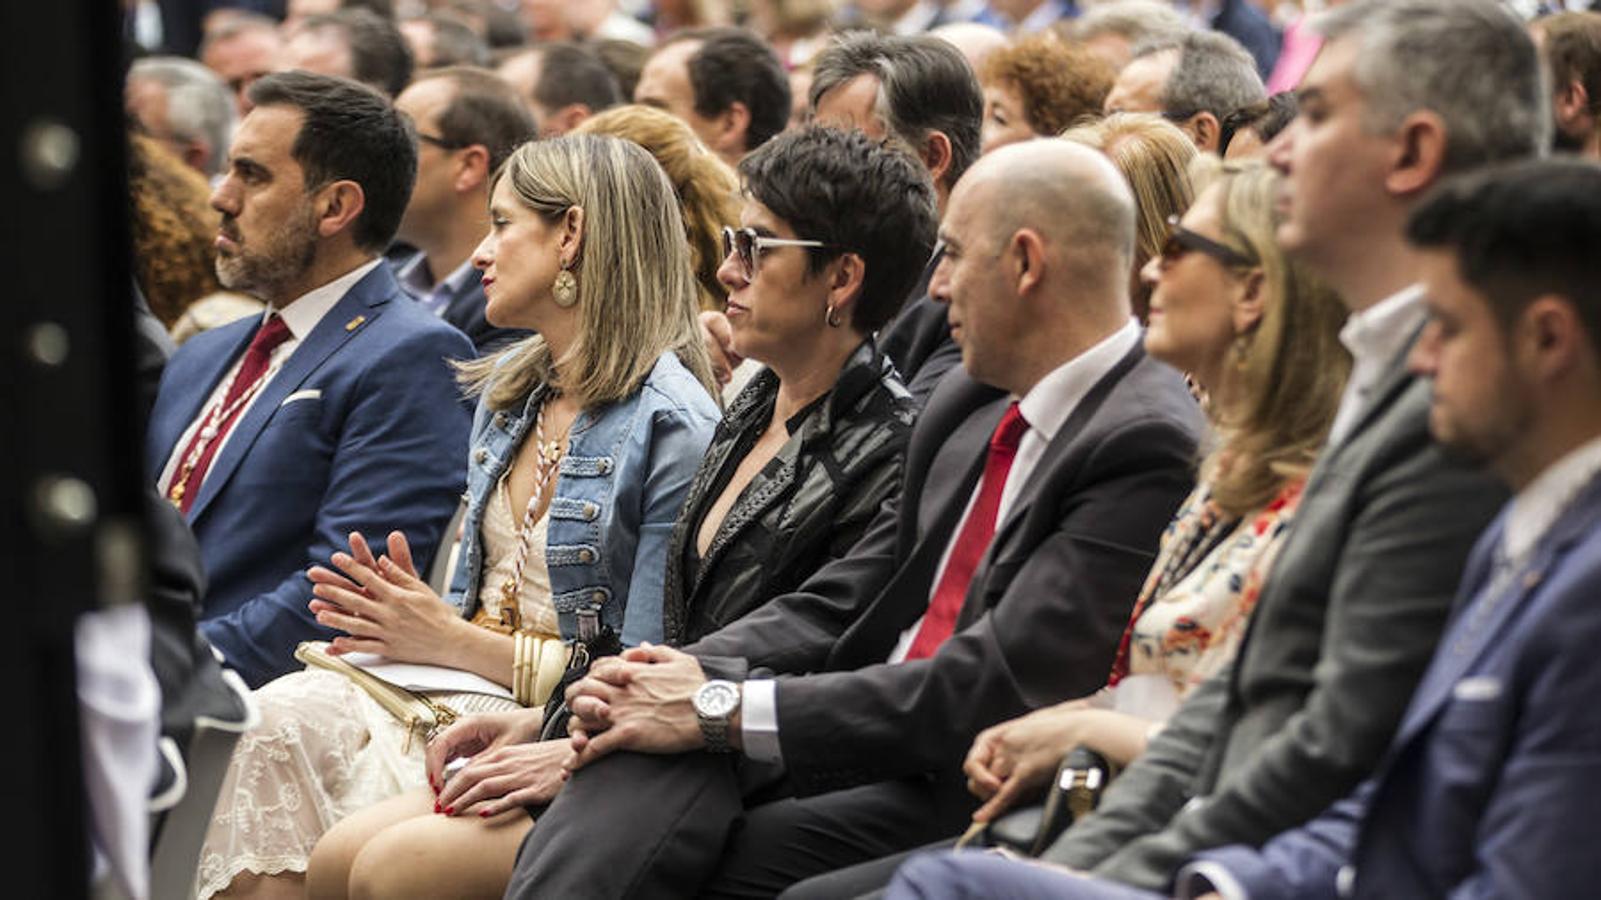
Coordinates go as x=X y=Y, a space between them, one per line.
x=749 y=245
x=1181 y=240
x=440 y=142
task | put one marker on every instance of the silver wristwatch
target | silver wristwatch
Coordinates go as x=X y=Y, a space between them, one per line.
x=715 y=703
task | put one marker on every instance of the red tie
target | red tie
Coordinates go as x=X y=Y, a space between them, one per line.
x=216 y=421
x=977 y=532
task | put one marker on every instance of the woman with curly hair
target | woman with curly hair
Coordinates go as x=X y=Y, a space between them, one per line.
x=173 y=226
x=1039 y=86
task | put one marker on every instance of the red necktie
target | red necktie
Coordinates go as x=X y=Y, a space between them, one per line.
x=977 y=532
x=215 y=422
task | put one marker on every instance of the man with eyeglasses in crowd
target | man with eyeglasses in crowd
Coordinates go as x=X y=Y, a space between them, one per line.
x=468 y=122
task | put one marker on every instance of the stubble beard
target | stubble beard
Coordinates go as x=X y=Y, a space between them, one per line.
x=282 y=260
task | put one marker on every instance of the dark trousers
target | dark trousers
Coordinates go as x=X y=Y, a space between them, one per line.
x=863 y=881
x=703 y=825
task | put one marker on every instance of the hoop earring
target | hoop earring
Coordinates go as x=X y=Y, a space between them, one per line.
x=833 y=319
x=565 y=289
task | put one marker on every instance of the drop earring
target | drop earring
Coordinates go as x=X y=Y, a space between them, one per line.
x=565 y=289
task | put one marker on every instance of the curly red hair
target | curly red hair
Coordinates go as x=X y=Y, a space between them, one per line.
x=1059 y=82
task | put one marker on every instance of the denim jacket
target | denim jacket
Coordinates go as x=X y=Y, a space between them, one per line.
x=622 y=480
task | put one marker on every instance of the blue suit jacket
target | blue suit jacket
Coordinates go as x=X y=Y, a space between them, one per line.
x=382 y=447
x=466 y=312
x=1492 y=784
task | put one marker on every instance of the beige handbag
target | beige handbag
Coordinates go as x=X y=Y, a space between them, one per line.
x=420 y=714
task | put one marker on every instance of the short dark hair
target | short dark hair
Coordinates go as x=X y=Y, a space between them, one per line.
x=379 y=54
x=455 y=44
x=731 y=66
x=625 y=59
x=925 y=84
x=569 y=73
x=1267 y=119
x=485 y=110
x=1521 y=231
x=349 y=131
x=856 y=195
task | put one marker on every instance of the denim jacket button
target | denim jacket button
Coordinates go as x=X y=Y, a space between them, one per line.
x=598 y=596
x=604 y=467
x=586 y=556
x=480 y=455
x=500 y=419
x=590 y=512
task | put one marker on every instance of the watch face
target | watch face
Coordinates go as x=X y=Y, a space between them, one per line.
x=717 y=699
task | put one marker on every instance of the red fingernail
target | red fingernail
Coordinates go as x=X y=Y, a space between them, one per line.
x=436 y=806
x=450 y=810
x=483 y=814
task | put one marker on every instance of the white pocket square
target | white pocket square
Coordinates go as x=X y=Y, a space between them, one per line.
x=1480 y=688
x=308 y=394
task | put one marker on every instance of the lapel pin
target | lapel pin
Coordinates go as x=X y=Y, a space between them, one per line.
x=355 y=323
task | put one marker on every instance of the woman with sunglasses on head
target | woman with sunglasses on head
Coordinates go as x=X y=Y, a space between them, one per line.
x=1261 y=337
x=584 y=443
x=834 y=230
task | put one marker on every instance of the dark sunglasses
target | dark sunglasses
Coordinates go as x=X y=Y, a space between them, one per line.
x=1181 y=240
x=749 y=246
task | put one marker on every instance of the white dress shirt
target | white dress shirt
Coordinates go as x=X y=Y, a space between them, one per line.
x=1375 y=336
x=1542 y=501
x=301 y=316
x=1046 y=407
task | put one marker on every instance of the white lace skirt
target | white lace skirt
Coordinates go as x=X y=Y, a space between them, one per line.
x=323 y=750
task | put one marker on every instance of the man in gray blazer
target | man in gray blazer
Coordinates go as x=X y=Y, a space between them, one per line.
x=1350 y=615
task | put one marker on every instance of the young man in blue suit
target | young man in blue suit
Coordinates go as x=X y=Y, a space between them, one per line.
x=334 y=412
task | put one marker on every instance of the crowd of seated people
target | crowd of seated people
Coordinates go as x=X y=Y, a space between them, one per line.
x=752 y=489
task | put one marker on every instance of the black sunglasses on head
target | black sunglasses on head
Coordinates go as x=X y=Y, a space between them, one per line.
x=1181 y=240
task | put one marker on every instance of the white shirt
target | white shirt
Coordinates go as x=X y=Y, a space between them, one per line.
x=1542 y=501
x=1046 y=407
x=301 y=316
x=1375 y=336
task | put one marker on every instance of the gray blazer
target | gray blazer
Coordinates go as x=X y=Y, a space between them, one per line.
x=1345 y=626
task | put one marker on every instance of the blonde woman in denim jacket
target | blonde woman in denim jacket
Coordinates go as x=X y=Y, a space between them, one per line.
x=584 y=443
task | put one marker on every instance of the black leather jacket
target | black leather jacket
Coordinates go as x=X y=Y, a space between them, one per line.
x=808 y=505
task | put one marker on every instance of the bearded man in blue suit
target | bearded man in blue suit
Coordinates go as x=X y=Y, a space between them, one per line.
x=335 y=411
